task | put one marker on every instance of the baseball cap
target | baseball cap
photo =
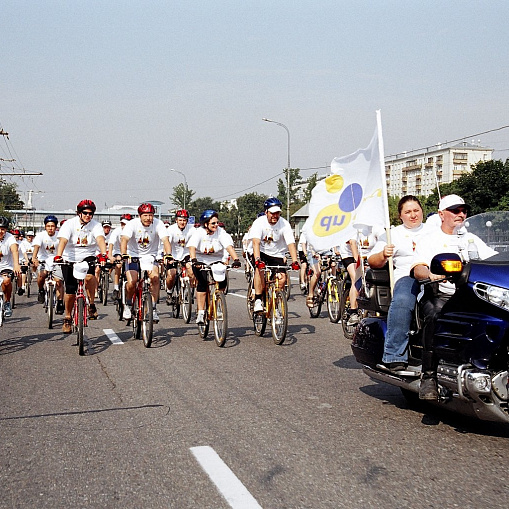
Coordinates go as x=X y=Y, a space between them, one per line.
x=452 y=201
x=124 y=220
x=274 y=208
x=30 y=232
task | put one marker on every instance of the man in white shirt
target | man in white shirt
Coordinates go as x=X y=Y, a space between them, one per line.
x=271 y=236
x=453 y=211
x=141 y=237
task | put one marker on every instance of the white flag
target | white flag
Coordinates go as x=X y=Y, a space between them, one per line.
x=352 y=198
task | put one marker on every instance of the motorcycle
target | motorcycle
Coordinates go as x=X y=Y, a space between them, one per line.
x=471 y=336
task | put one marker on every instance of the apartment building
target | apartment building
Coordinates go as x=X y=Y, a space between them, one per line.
x=417 y=172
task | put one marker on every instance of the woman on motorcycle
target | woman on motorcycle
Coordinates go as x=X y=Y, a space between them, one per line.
x=406 y=288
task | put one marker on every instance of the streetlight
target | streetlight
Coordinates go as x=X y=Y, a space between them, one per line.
x=288 y=168
x=185 y=180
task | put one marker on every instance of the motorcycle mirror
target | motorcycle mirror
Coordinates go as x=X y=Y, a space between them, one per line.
x=447 y=264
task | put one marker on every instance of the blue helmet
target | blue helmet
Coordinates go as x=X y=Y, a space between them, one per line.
x=272 y=202
x=51 y=219
x=207 y=215
x=260 y=214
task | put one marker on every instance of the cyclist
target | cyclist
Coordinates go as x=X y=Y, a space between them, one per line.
x=9 y=263
x=114 y=252
x=45 y=247
x=78 y=241
x=23 y=260
x=141 y=237
x=207 y=246
x=302 y=250
x=178 y=235
x=25 y=247
x=272 y=236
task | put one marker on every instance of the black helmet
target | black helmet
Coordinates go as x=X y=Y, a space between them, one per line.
x=4 y=222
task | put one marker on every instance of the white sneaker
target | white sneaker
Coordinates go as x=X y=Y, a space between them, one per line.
x=126 y=315
x=258 y=306
x=155 y=316
x=7 y=310
x=200 y=318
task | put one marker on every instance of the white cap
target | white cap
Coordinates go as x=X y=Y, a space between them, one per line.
x=30 y=232
x=274 y=209
x=451 y=201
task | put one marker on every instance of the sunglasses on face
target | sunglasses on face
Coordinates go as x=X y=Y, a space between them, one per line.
x=212 y=224
x=87 y=213
x=458 y=210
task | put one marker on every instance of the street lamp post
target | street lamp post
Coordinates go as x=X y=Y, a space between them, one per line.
x=185 y=183
x=287 y=168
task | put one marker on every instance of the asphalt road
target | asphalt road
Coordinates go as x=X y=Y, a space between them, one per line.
x=185 y=424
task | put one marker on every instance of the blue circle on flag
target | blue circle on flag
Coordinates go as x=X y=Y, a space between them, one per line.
x=350 y=198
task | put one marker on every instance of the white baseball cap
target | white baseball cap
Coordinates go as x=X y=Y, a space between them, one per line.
x=452 y=201
x=274 y=209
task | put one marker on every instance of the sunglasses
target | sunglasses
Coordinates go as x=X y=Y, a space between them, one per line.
x=87 y=213
x=458 y=210
x=212 y=223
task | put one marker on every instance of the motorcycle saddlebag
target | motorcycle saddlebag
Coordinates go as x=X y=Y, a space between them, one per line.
x=376 y=296
x=368 y=341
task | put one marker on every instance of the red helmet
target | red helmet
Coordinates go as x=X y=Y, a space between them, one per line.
x=146 y=208
x=182 y=213
x=127 y=217
x=85 y=204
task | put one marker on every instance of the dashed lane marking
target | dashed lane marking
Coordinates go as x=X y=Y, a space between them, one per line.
x=234 y=492
x=113 y=337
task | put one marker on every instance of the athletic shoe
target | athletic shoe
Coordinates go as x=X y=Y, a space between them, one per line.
x=7 y=310
x=67 y=327
x=60 y=307
x=21 y=291
x=93 y=314
x=40 y=297
x=126 y=315
x=200 y=317
x=258 y=306
x=115 y=294
x=155 y=316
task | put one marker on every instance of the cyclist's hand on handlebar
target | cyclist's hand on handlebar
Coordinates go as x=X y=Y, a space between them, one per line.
x=196 y=263
x=125 y=257
x=58 y=259
x=236 y=263
x=295 y=266
x=168 y=258
x=259 y=264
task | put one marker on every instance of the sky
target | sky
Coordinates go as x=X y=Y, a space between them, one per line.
x=105 y=97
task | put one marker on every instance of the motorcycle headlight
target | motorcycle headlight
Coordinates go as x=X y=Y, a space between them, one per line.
x=478 y=383
x=496 y=295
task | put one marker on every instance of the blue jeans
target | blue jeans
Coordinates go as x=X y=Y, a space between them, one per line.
x=399 y=319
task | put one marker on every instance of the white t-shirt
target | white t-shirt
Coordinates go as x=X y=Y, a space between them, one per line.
x=6 y=258
x=367 y=239
x=274 y=239
x=82 y=238
x=404 y=240
x=436 y=241
x=27 y=247
x=115 y=240
x=178 y=239
x=247 y=244
x=210 y=248
x=47 y=245
x=143 y=240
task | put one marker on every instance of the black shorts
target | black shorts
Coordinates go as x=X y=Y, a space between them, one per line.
x=347 y=261
x=302 y=257
x=71 y=283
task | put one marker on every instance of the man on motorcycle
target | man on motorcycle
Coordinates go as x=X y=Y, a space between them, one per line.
x=451 y=237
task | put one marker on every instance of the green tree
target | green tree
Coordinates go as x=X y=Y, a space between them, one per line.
x=249 y=206
x=312 y=181
x=182 y=196
x=196 y=207
x=9 y=197
x=295 y=179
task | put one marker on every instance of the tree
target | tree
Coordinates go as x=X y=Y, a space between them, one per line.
x=295 y=179
x=312 y=181
x=182 y=196
x=196 y=207
x=485 y=188
x=9 y=197
x=249 y=206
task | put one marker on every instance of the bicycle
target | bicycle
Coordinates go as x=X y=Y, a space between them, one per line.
x=327 y=287
x=8 y=273
x=173 y=298
x=275 y=307
x=104 y=283
x=215 y=304
x=50 y=298
x=28 y=279
x=1 y=308
x=182 y=294
x=142 y=308
x=250 y=288
x=121 y=299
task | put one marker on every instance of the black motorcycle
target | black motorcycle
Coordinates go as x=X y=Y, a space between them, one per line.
x=471 y=337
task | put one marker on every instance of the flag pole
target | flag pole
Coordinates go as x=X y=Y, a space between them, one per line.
x=385 y=200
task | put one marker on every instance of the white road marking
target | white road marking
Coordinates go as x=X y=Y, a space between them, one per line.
x=113 y=337
x=238 y=295
x=234 y=492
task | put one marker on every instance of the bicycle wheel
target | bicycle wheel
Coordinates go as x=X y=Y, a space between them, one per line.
x=260 y=321
x=227 y=277
x=348 y=329
x=14 y=291
x=49 y=304
x=1 y=310
x=203 y=328
x=334 y=301
x=80 y=326
x=147 y=324
x=28 y=281
x=317 y=300
x=187 y=301
x=105 y=286
x=135 y=313
x=175 y=300
x=279 y=317
x=288 y=286
x=220 y=318
x=250 y=300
